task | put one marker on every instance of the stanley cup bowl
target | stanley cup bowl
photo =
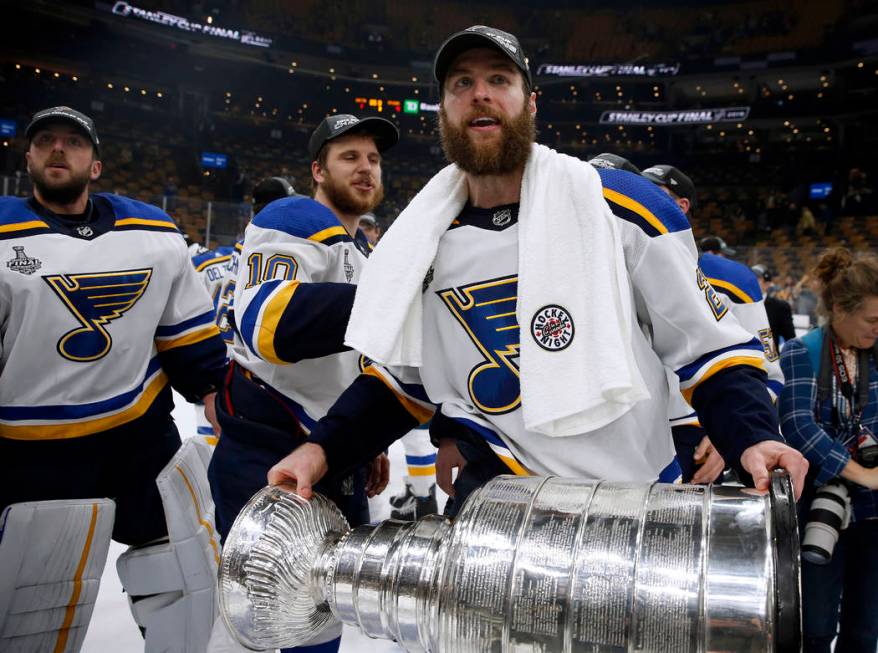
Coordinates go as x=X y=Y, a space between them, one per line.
x=530 y=564
x=264 y=575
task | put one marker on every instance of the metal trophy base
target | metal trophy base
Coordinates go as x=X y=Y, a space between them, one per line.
x=530 y=564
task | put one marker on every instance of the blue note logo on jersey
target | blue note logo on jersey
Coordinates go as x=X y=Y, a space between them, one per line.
x=486 y=311
x=95 y=299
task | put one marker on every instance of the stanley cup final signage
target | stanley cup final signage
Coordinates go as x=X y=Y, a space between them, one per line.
x=529 y=564
x=668 y=118
x=609 y=70
x=244 y=37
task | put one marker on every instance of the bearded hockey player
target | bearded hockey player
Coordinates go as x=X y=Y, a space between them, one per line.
x=101 y=313
x=540 y=319
x=300 y=262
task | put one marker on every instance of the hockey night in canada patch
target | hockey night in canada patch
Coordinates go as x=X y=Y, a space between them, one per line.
x=552 y=327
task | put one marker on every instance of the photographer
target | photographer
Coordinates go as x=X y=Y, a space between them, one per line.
x=829 y=411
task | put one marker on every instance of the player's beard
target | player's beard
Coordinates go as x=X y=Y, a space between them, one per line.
x=60 y=192
x=504 y=155
x=346 y=199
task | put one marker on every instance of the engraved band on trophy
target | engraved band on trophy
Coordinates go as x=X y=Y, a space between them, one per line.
x=535 y=564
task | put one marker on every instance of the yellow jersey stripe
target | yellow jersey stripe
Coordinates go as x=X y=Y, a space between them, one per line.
x=64 y=631
x=422 y=471
x=213 y=261
x=212 y=440
x=143 y=222
x=69 y=430
x=271 y=315
x=753 y=361
x=22 y=226
x=637 y=207
x=201 y=519
x=423 y=415
x=732 y=288
x=328 y=233
x=189 y=339
x=513 y=465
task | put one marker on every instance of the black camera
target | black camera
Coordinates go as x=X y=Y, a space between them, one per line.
x=867 y=456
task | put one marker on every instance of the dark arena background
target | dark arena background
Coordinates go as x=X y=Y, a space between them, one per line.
x=771 y=108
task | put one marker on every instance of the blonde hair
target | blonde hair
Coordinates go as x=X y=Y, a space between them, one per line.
x=845 y=280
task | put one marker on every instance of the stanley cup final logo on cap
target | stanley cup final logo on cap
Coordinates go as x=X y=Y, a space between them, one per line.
x=500 y=38
x=344 y=121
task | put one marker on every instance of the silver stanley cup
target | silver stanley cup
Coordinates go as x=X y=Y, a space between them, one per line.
x=530 y=564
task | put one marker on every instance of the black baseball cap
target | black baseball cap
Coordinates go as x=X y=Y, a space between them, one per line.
x=385 y=132
x=480 y=36
x=269 y=190
x=615 y=162
x=64 y=114
x=715 y=244
x=762 y=271
x=673 y=179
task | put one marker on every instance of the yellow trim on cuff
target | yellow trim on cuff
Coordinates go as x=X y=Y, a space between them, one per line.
x=189 y=339
x=69 y=430
x=752 y=361
x=423 y=415
x=637 y=207
x=271 y=315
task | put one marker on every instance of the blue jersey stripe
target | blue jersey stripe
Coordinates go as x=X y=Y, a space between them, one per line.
x=688 y=371
x=429 y=459
x=486 y=433
x=174 y=329
x=71 y=412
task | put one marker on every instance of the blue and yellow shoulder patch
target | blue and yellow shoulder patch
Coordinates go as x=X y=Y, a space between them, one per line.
x=637 y=200
x=303 y=217
x=735 y=280
x=17 y=220
x=135 y=215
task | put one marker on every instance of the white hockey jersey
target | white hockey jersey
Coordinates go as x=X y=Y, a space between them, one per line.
x=741 y=293
x=89 y=315
x=297 y=271
x=472 y=336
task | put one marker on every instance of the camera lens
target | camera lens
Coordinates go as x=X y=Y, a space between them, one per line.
x=826 y=518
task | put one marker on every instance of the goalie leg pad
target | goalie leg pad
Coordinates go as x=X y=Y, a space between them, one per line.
x=52 y=555
x=177 y=577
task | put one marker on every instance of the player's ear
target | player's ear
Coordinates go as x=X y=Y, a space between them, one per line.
x=532 y=103
x=317 y=172
x=27 y=161
x=96 y=168
x=684 y=205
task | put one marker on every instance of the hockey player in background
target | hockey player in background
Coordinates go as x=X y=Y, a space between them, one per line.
x=101 y=313
x=540 y=321
x=740 y=291
x=300 y=262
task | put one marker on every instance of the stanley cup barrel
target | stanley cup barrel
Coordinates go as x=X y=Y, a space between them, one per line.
x=530 y=564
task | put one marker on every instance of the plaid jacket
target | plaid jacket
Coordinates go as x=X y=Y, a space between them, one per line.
x=807 y=424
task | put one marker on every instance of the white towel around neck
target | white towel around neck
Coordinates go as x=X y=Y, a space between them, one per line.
x=570 y=256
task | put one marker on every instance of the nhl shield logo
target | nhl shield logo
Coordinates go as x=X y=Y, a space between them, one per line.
x=502 y=217
x=552 y=328
x=85 y=231
x=22 y=262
